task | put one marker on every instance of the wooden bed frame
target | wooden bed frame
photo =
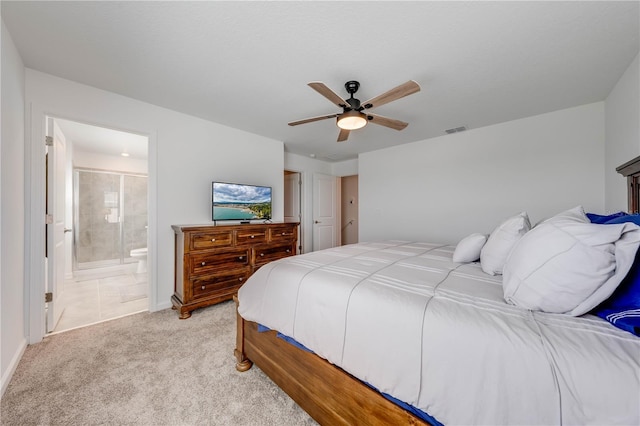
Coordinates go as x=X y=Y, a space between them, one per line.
x=329 y=394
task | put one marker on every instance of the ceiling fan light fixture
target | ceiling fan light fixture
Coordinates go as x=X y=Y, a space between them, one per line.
x=352 y=120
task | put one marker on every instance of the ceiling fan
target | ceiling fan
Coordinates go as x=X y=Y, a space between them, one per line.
x=352 y=116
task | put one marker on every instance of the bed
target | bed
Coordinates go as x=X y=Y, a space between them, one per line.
x=397 y=332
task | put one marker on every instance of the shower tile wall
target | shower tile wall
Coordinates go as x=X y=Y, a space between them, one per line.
x=98 y=208
x=135 y=213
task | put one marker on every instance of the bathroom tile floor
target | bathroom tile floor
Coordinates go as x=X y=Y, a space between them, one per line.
x=101 y=294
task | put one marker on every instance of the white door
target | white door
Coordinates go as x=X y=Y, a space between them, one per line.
x=55 y=249
x=324 y=211
x=292 y=198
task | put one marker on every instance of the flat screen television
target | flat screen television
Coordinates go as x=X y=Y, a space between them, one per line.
x=235 y=201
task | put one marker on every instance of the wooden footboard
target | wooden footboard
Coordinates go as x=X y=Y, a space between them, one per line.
x=330 y=395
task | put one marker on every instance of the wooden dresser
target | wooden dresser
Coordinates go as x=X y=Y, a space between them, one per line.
x=212 y=262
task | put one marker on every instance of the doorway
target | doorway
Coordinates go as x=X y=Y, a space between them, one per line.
x=326 y=205
x=107 y=222
x=349 y=209
x=293 y=202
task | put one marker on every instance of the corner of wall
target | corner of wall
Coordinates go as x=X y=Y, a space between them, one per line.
x=13 y=365
x=13 y=333
x=622 y=134
x=345 y=168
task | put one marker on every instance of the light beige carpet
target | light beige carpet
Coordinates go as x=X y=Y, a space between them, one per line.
x=145 y=369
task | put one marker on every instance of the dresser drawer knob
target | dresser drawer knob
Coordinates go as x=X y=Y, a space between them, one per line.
x=203 y=287
x=203 y=263
x=240 y=279
x=261 y=254
x=288 y=251
x=284 y=233
x=253 y=236
x=241 y=257
x=213 y=240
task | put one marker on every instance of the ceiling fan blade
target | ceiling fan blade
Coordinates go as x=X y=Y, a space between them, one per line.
x=321 y=88
x=406 y=89
x=312 y=119
x=343 y=135
x=387 y=122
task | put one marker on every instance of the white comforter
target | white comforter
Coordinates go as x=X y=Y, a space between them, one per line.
x=438 y=335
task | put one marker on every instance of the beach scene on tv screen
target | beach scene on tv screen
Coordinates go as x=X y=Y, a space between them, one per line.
x=241 y=202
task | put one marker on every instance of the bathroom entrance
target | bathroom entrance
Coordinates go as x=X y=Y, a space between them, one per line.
x=105 y=226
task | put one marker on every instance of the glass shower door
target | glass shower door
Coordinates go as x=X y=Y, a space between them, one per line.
x=97 y=210
x=110 y=217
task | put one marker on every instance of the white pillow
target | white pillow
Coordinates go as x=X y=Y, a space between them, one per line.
x=576 y=214
x=569 y=265
x=468 y=249
x=495 y=252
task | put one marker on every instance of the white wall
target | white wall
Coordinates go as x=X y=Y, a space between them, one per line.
x=622 y=134
x=445 y=188
x=185 y=155
x=93 y=160
x=12 y=277
x=345 y=168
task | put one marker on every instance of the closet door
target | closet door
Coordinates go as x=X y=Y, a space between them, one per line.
x=324 y=211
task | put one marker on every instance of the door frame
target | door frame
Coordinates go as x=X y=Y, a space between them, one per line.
x=300 y=248
x=35 y=271
x=336 y=211
x=56 y=238
x=344 y=207
x=306 y=210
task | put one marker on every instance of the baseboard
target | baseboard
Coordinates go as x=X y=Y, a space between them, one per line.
x=160 y=306
x=6 y=377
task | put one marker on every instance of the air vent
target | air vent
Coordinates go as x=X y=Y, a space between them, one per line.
x=456 y=130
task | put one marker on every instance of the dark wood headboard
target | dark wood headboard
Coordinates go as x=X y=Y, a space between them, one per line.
x=631 y=170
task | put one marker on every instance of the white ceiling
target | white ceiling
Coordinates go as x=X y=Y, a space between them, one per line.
x=247 y=64
x=90 y=138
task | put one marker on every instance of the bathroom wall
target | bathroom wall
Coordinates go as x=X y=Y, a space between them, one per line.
x=349 y=211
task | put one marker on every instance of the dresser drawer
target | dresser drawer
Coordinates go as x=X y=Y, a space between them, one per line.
x=209 y=240
x=269 y=253
x=282 y=233
x=203 y=263
x=211 y=285
x=251 y=236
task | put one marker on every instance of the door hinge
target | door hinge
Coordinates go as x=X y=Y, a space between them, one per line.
x=48 y=219
x=48 y=141
x=48 y=297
